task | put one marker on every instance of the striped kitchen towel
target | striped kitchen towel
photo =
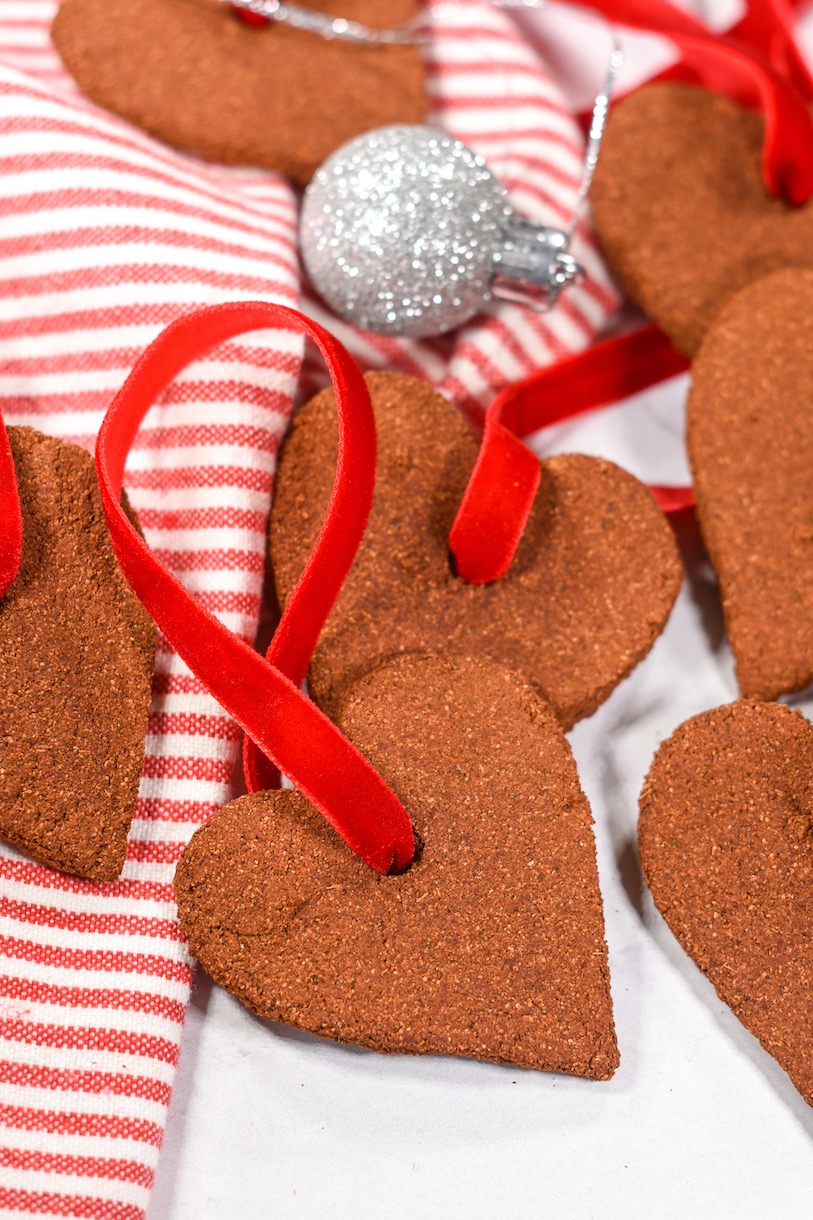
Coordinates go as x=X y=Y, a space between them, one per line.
x=106 y=236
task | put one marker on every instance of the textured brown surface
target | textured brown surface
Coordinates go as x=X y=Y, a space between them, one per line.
x=76 y=662
x=490 y=946
x=193 y=74
x=726 y=843
x=681 y=210
x=590 y=588
x=750 y=439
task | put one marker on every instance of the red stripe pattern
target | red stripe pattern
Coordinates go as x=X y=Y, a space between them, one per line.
x=105 y=237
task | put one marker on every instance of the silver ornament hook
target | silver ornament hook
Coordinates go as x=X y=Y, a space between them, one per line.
x=534 y=265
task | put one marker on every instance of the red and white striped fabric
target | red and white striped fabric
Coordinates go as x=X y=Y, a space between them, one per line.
x=105 y=237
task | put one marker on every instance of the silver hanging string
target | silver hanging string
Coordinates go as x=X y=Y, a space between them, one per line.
x=598 y=122
x=410 y=33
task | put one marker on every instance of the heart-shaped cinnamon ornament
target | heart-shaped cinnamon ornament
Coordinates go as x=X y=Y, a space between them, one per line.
x=589 y=590
x=750 y=440
x=726 y=843
x=490 y=946
x=77 y=651
x=683 y=215
x=194 y=74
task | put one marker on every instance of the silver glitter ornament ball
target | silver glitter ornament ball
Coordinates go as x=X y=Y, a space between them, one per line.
x=400 y=231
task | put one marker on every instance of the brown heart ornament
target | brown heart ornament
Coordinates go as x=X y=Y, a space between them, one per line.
x=197 y=76
x=726 y=844
x=76 y=656
x=490 y=946
x=588 y=592
x=682 y=213
x=750 y=442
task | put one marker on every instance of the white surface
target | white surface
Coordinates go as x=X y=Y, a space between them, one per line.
x=698 y=1121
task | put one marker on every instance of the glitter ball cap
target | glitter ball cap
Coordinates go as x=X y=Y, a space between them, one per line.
x=400 y=228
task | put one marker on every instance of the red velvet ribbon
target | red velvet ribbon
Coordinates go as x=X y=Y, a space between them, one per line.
x=787 y=155
x=500 y=493
x=496 y=503
x=263 y=695
x=769 y=28
x=11 y=535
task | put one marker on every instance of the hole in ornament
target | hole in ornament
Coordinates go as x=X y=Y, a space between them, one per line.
x=248 y=18
x=399 y=872
x=486 y=584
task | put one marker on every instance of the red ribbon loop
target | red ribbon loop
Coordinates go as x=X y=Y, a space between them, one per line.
x=263 y=696
x=787 y=154
x=11 y=535
x=503 y=484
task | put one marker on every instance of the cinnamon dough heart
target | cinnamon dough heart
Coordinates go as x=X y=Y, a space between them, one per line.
x=589 y=590
x=193 y=74
x=491 y=946
x=76 y=663
x=750 y=440
x=726 y=843
x=682 y=213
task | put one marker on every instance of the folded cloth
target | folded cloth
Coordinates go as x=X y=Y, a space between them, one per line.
x=106 y=236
